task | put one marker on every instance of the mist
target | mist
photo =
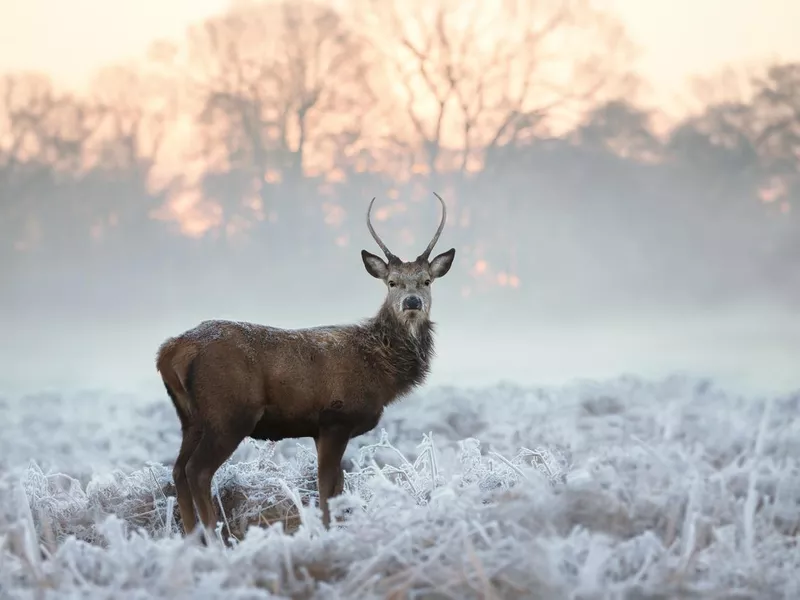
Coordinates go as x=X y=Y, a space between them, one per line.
x=593 y=236
x=583 y=308
x=556 y=276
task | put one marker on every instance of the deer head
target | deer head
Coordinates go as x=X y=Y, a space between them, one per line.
x=409 y=283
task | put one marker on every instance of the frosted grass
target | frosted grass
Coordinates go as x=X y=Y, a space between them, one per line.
x=614 y=489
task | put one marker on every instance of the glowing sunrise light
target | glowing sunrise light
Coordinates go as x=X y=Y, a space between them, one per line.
x=334 y=214
x=272 y=176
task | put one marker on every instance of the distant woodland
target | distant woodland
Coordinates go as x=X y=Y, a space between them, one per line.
x=252 y=148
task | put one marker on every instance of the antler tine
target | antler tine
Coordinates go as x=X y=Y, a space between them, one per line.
x=378 y=240
x=435 y=239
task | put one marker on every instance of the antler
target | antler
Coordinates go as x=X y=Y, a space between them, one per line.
x=380 y=243
x=427 y=252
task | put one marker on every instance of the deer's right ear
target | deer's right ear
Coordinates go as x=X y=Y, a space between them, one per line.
x=375 y=265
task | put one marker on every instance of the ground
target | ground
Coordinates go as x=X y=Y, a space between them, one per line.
x=612 y=489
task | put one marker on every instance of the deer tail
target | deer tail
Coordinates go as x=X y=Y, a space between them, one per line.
x=174 y=363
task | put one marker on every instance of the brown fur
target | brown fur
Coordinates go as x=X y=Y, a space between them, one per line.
x=229 y=380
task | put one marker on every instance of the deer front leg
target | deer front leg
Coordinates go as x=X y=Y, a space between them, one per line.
x=339 y=482
x=331 y=445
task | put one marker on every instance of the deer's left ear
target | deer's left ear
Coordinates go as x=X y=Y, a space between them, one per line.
x=442 y=263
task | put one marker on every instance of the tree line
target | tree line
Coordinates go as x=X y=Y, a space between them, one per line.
x=266 y=131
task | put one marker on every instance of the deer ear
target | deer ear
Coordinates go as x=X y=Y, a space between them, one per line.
x=442 y=263
x=375 y=265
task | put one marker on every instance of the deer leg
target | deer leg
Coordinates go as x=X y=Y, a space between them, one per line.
x=212 y=450
x=191 y=437
x=339 y=482
x=331 y=445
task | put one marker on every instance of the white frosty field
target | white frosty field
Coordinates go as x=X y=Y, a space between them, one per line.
x=615 y=489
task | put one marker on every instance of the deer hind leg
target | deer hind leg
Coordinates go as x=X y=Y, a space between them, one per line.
x=215 y=446
x=190 y=433
x=191 y=438
x=331 y=445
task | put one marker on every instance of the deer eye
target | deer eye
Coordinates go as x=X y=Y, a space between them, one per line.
x=427 y=282
x=392 y=283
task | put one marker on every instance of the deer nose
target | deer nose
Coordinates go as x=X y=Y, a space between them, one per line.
x=412 y=303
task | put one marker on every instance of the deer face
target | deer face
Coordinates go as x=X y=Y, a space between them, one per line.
x=409 y=283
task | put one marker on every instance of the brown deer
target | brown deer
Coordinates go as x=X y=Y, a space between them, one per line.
x=229 y=380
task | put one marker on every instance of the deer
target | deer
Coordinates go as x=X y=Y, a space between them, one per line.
x=229 y=380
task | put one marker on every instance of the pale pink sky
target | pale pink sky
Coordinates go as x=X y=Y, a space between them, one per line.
x=678 y=38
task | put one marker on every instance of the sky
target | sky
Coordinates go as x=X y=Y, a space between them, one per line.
x=677 y=39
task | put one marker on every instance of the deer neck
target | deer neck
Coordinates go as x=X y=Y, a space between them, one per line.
x=405 y=351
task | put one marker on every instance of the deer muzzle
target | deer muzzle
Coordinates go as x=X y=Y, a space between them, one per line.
x=412 y=303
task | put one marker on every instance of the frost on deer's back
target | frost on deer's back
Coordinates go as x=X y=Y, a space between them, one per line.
x=251 y=337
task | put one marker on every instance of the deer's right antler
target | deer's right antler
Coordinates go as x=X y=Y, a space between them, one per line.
x=389 y=255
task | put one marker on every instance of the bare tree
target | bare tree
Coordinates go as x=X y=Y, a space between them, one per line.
x=479 y=76
x=41 y=124
x=622 y=129
x=776 y=111
x=136 y=108
x=44 y=134
x=280 y=87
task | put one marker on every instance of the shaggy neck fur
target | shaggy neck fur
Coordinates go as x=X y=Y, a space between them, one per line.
x=403 y=353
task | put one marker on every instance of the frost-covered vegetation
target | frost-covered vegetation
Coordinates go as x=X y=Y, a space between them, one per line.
x=620 y=489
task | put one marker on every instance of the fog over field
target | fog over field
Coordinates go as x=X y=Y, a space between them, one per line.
x=612 y=410
x=751 y=348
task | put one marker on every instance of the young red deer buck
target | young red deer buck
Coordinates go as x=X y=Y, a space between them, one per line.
x=230 y=380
